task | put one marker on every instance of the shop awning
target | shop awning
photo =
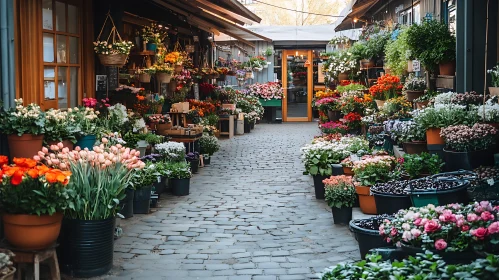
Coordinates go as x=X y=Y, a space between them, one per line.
x=221 y=16
x=356 y=10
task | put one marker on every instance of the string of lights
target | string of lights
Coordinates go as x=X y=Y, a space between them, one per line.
x=303 y=12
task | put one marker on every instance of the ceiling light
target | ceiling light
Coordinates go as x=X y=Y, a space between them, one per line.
x=355 y=20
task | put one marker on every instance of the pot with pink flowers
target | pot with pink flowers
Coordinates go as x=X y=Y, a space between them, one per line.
x=340 y=196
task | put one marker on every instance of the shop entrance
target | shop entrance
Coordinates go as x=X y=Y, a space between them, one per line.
x=297 y=82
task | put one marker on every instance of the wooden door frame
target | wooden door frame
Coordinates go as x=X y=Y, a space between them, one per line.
x=310 y=86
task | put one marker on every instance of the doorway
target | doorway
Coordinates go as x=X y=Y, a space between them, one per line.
x=297 y=81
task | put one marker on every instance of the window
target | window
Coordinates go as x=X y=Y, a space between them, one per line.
x=61 y=53
x=410 y=16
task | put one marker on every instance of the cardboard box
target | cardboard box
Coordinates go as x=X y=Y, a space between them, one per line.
x=181 y=107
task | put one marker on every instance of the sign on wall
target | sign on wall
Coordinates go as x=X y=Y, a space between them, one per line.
x=416 y=66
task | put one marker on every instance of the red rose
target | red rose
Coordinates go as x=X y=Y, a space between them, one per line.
x=431 y=226
x=479 y=233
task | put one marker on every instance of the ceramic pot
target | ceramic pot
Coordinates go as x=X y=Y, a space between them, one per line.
x=366 y=200
x=433 y=137
x=24 y=146
x=32 y=232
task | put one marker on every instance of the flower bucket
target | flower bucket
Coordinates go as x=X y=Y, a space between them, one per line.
x=24 y=146
x=366 y=200
x=342 y=215
x=433 y=137
x=164 y=78
x=180 y=187
x=145 y=78
x=494 y=91
x=151 y=47
x=367 y=238
x=32 y=232
x=113 y=60
x=413 y=94
x=319 y=186
x=87 y=141
x=391 y=203
x=206 y=159
x=160 y=184
x=142 y=200
x=380 y=103
x=126 y=205
x=467 y=160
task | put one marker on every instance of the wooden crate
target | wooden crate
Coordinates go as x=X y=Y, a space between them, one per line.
x=446 y=82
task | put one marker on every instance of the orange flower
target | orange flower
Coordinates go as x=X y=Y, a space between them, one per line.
x=57 y=176
x=4 y=160
x=141 y=98
x=25 y=162
x=17 y=177
x=42 y=169
x=51 y=177
x=33 y=173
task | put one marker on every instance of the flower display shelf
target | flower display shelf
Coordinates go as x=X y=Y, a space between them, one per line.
x=271 y=102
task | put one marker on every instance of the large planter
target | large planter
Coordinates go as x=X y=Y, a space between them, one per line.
x=334 y=116
x=164 y=78
x=391 y=203
x=494 y=91
x=86 y=247
x=342 y=215
x=467 y=160
x=348 y=171
x=151 y=47
x=145 y=78
x=206 y=159
x=86 y=142
x=366 y=200
x=194 y=165
x=413 y=94
x=380 y=103
x=126 y=205
x=367 y=238
x=447 y=68
x=65 y=143
x=433 y=137
x=142 y=200
x=320 y=191
x=247 y=127
x=180 y=187
x=416 y=147
x=458 y=194
x=24 y=146
x=31 y=232
x=271 y=102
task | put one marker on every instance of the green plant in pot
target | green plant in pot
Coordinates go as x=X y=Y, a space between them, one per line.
x=340 y=196
x=24 y=127
x=58 y=128
x=87 y=126
x=414 y=87
x=421 y=165
x=142 y=181
x=209 y=145
x=171 y=151
x=180 y=177
x=397 y=52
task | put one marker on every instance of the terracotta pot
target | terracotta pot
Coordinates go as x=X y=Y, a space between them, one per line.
x=433 y=137
x=348 y=171
x=494 y=91
x=24 y=146
x=343 y=76
x=421 y=105
x=66 y=143
x=366 y=200
x=380 y=103
x=32 y=232
x=447 y=68
x=413 y=94
x=145 y=78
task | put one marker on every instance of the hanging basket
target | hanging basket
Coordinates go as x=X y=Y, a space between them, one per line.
x=266 y=65
x=164 y=78
x=179 y=68
x=258 y=69
x=145 y=78
x=113 y=60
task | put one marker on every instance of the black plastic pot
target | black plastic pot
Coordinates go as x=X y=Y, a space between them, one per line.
x=320 y=191
x=436 y=150
x=142 y=200
x=207 y=160
x=458 y=194
x=194 y=165
x=465 y=257
x=391 y=203
x=126 y=205
x=247 y=127
x=334 y=115
x=86 y=247
x=252 y=125
x=467 y=160
x=342 y=215
x=160 y=185
x=367 y=238
x=180 y=187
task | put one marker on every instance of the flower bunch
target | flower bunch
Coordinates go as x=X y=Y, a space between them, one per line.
x=174 y=58
x=353 y=120
x=489 y=112
x=450 y=228
x=327 y=93
x=103 y=47
x=468 y=98
x=267 y=91
x=328 y=103
x=85 y=120
x=209 y=144
x=396 y=108
x=327 y=138
x=162 y=68
x=340 y=62
x=333 y=128
x=339 y=40
x=206 y=89
x=387 y=87
x=203 y=107
x=444 y=98
x=132 y=89
x=414 y=83
x=340 y=191
x=171 y=151
x=462 y=138
x=318 y=156
x=20 y=119
x=372 y=170
x=154 y=34
x=494 y=74
x=59 y=126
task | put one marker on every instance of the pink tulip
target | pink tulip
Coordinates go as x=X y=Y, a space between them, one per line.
x=45 y=150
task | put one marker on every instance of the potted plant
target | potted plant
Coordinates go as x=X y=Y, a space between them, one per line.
x=142 y=181
x=367 y=233
x=341 y=66
x=489 y=113
x=193 y=159
x=330 y=106
x=92 y=204
x=7 y=268
x=420 y=165
x=87 y=128
x=113 y=54
x=153 y=35
x=413 y=137
x=414 y=87
x=33 y=199
x=387 y=87
x=24 y=127
x=423 y=101
x=163 y=72
x=145 y=74
x=468 y=147
x=180 y=177
x=160 y=123
x=391 y=196
x=58 y=128
x=171 y=151
x=209 y=145
x=340 y=196
x=494 y=80
x=397 y=52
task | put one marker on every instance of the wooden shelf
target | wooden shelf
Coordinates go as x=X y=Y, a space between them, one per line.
x=143 y=53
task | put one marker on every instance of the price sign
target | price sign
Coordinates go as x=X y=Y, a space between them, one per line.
x=416 y=66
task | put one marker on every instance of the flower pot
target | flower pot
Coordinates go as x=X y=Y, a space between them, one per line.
x=320 y=191
x=9 y=275
x=366 y=200
x=453 y=258
x=391 y=203
x=160 y=184
x=421 y=105
x=413 y=94
x=380 y=103
x=126 y=204
x=180 y=187
x=179 y=68
x=24 y=146
x=161 y=127
x=247 y=127
x=494 y=91
x=447 y=68
x=367 y=238
x=66 y=143
x=343 y=76
x=416 y=147
x=31 y=232
x=194 y=165
x=342 y=215
x=87 y=141
x=252 y=125
x=458 y=194
x=366 y=63
x=151 y=47
x=142 y=200
x=433 y=137
x=206 y=160
x=145 y=78
x=334 y=115
x=113 y=60
x=164 y=78
x=348 y=171
x=467 y=160
x=86 y=247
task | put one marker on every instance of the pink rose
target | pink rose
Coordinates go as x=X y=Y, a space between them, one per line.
x=415 y=232
x=417 y=222
x=486 y=216
x=479 y=233
x=388 y=240
x=465 y=228
x=493 y=228
x=440 y=244
x=472 y=217
x=393 y=232
x=431 y=226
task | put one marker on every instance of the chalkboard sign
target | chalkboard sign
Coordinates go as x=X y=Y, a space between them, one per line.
x=112 y=77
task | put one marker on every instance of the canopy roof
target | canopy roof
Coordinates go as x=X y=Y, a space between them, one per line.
x=356 y=10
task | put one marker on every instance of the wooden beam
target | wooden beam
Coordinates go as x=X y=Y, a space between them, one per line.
x=238 y=38
x=243 y=10
x=212 y=7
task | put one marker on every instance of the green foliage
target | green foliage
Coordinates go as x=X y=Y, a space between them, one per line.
x=358 y=50
x=211 y=119
x=179 y=170
x=339 y=196
x=444 y=116
x=397 y=53
x=153 y=139
x=375 y=46
x=144 y=177
x=432 y=43
x=415 y=165
x=23 y=120
x=350 y=87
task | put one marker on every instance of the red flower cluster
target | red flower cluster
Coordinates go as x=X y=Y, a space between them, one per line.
x=386 y=87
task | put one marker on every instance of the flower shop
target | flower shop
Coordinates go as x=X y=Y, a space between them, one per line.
x=420 y=161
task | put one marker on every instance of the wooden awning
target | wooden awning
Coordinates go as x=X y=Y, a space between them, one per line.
x=357 y=9
x=220 y=16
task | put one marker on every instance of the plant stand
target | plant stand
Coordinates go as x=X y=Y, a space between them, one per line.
x=230 y=131
x=23 y=258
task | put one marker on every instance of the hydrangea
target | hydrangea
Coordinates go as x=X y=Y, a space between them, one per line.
x=139 y=124
x=118 y=112
x=171 y=151
x=444 y=98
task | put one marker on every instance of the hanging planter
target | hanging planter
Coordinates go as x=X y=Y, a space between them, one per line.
x=113 y=60
x=145 y=78
x=117 y=55
x=164 y=78
x=413 y=94
x=179 y=68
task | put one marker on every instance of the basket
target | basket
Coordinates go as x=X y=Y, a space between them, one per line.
x=145 y=78
x=164 y=78
x=113 y=60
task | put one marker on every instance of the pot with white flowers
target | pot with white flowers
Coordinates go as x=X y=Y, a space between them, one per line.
x=86 y=126
x=494 y=75
x=209 y=145
x=414 y=87
x=24 y=127
x=340 y=196
x=180 y=177
x=468 y=147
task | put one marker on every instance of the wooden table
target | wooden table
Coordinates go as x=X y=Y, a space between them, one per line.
x=178 y=119
x=191 y=142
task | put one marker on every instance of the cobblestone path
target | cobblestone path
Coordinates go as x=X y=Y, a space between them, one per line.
x=250 y=215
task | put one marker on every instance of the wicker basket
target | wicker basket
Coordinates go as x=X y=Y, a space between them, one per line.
x=113 y=60
x=164 y=78
x=145 y=78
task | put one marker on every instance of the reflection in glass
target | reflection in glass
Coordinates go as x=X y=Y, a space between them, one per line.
x=60 y=16
x=47 y=15
x=297 y=86
x=48 y=47
x=73 y=19
x=49 y=83
x=62 y=86
x=73 y=50
x=61 y=48
x=73 y=92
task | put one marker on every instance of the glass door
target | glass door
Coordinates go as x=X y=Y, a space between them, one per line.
x=297 y=74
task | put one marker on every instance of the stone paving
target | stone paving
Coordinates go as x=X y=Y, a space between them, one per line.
x=251 y=214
